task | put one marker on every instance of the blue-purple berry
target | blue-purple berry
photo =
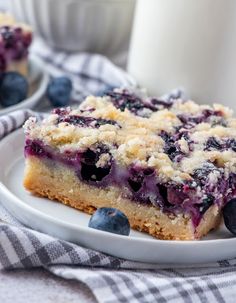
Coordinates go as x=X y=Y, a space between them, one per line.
x=111 y=220
x=13 y=88
x=213 y=143
x=229 y=214
x=59 y=91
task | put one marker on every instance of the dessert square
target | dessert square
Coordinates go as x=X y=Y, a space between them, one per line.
x=15 y=39
x=170 y=166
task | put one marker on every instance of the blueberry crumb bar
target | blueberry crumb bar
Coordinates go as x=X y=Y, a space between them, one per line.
x=170 y=166
x=15 y=39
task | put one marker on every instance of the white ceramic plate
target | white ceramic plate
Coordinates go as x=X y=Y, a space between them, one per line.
x=69 y=224
x=38 y=81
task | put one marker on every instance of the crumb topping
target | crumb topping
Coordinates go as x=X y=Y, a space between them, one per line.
x=175 y=138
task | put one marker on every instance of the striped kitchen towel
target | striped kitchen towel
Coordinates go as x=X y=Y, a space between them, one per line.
x=112 y=279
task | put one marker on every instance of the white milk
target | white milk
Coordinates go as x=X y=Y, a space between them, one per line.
x=188 y=43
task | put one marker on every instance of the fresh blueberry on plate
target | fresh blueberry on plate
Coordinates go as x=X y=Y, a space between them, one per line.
x=111 y=220
x=59 y=91
x=13 y=88
x=229 y=214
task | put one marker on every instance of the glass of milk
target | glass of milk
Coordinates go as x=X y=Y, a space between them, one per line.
x=186 y=43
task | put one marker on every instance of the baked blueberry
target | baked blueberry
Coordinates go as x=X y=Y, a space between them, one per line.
x=76 y=120
x=201 y=175
x=204 y=116
x=111 y=220
x=229 y=214
x=212 y=143
x=136 y=182
x=85 y=121
x=13 y=88
x=136 y=105
x=231 y=144
x=91 y=172
x=206 y=203
x=59 y=91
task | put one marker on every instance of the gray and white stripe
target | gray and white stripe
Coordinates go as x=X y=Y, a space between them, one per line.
x=112 y=279
x=12 y=121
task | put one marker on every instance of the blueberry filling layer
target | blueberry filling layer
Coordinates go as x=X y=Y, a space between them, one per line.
x=96 y=166
x=14 y=44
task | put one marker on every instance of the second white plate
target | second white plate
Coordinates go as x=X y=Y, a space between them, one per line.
x=72 y=225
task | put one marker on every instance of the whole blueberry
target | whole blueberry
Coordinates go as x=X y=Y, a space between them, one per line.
x=13 y=88
x=229 y=214
x=59 y=91
x=111 y=220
